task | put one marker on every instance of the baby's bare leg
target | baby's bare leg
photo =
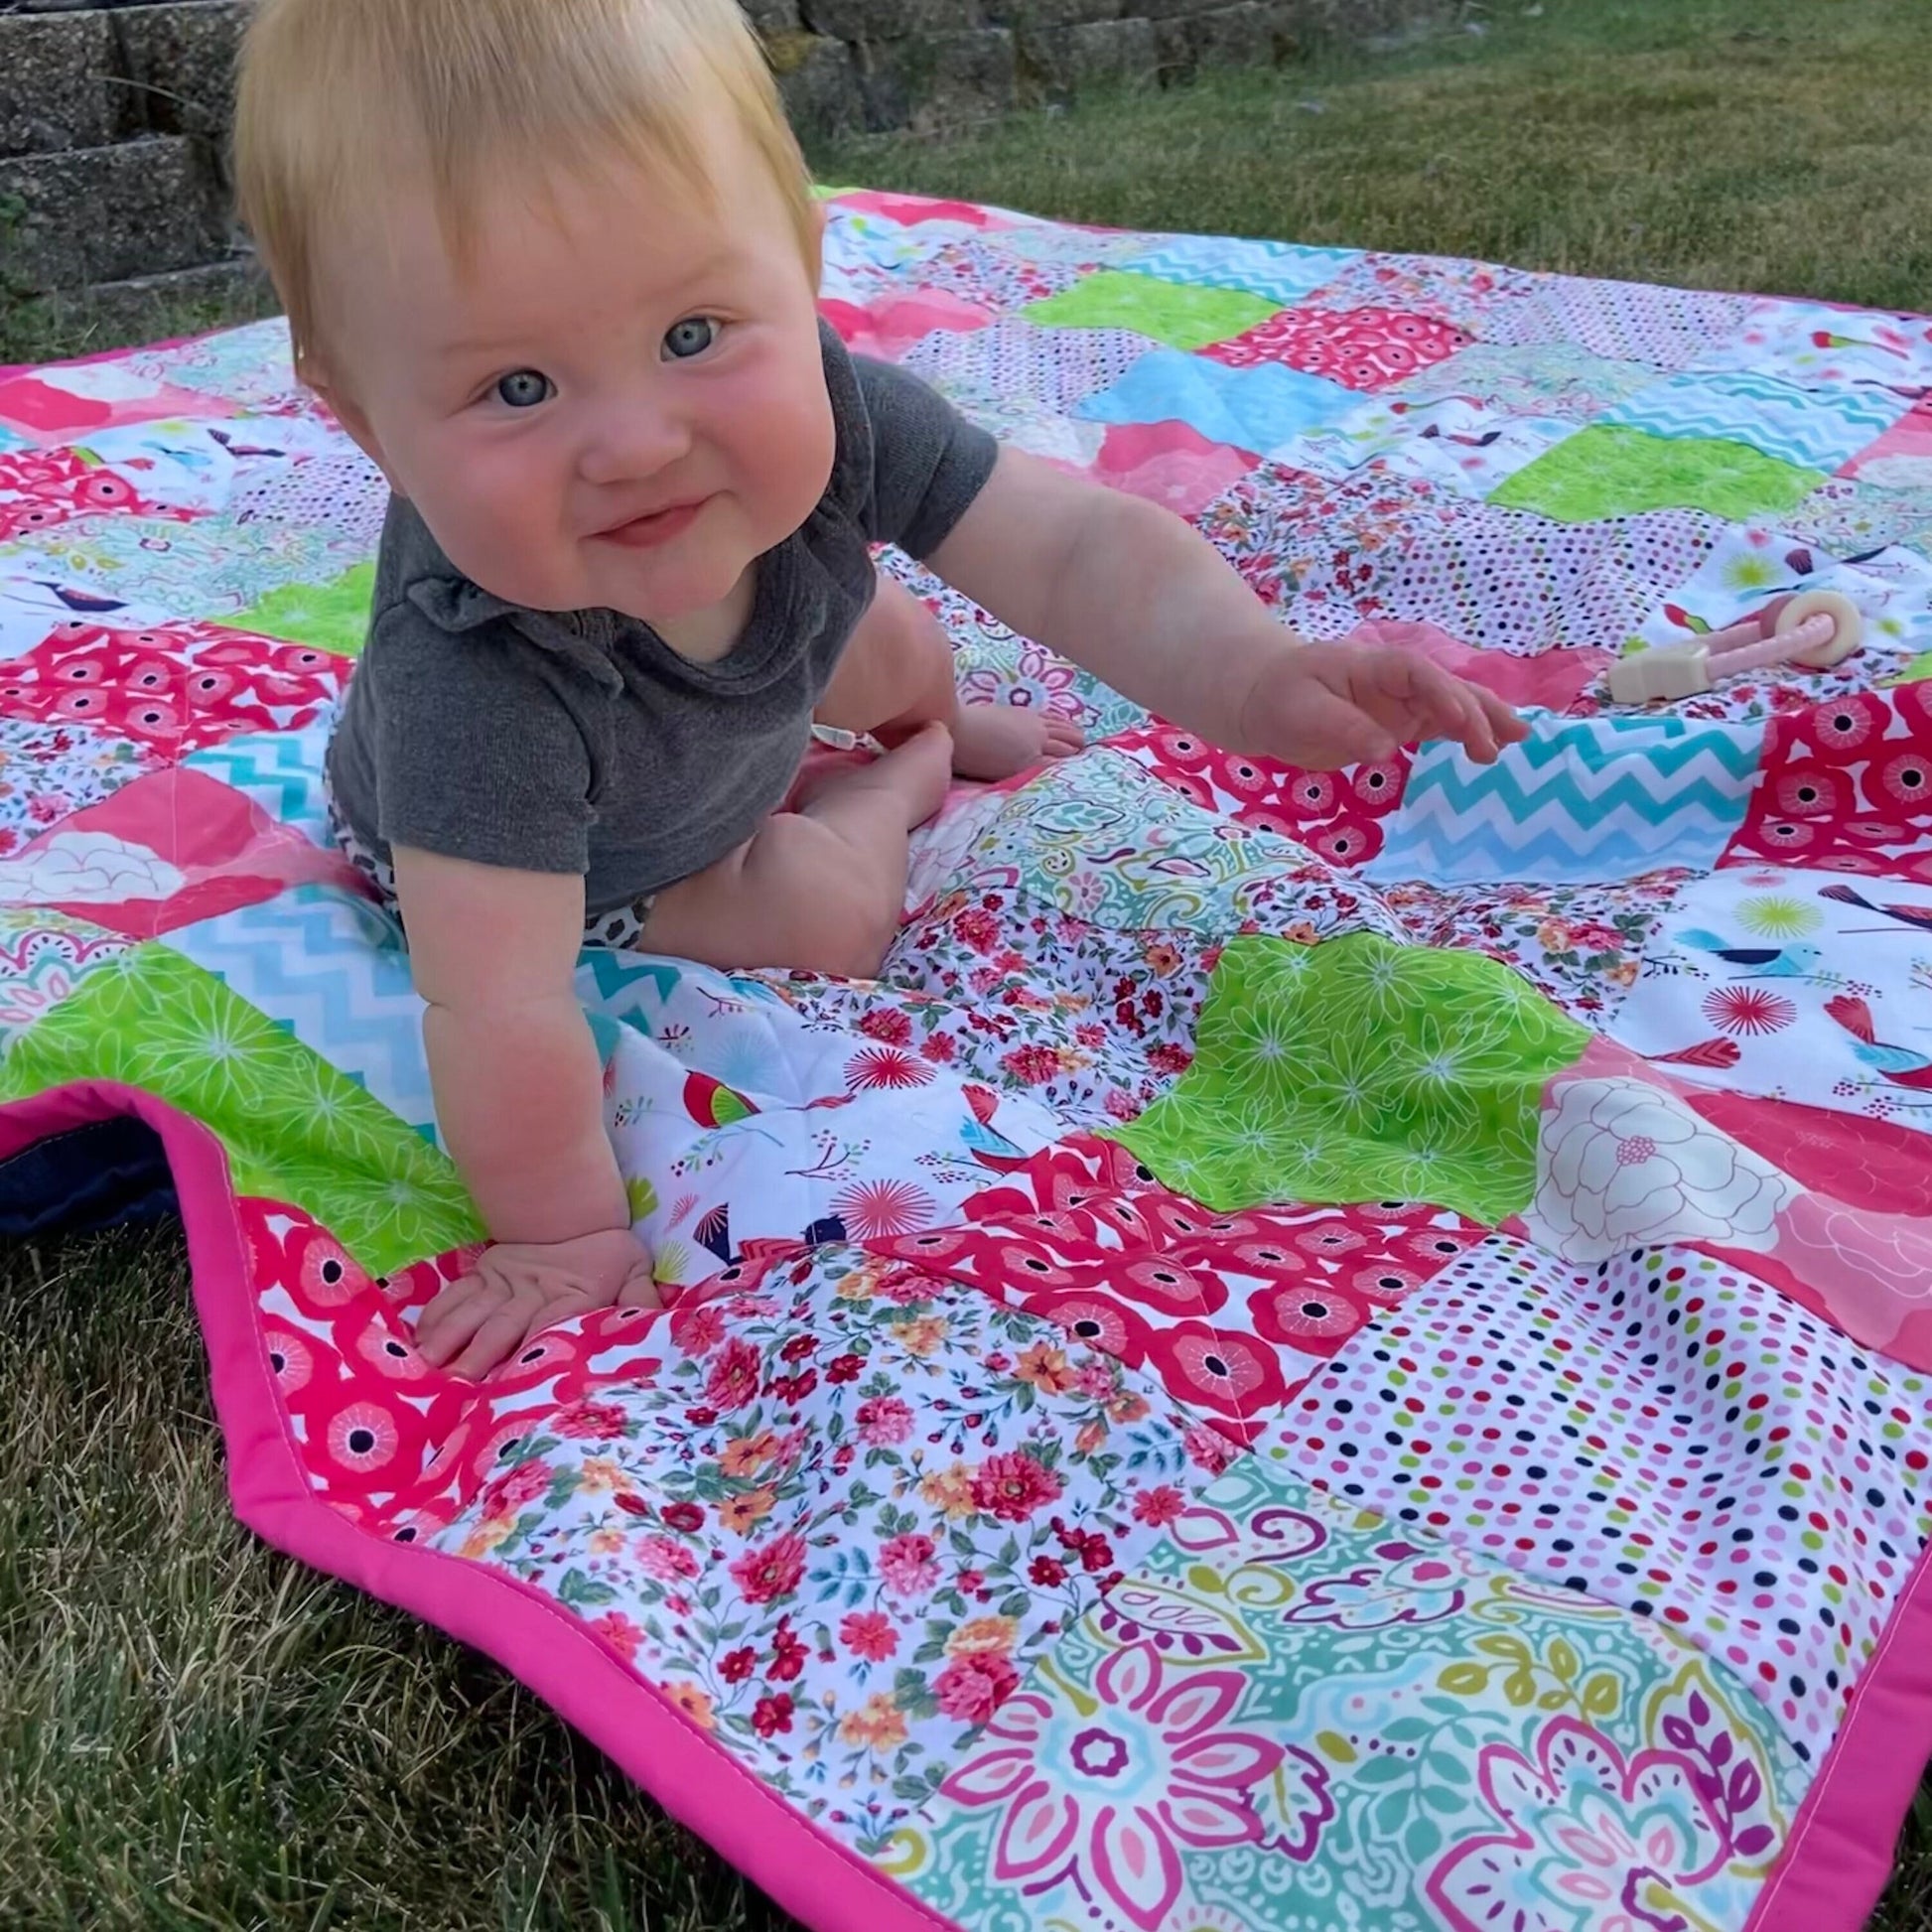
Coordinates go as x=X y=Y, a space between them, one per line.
x=821 y=889
x=897 y=676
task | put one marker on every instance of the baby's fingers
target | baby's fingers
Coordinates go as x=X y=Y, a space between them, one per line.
x=1450 y=707
x=639 y=1290
x=1487 y=725
x=566 y=1302
x=1063 y=738
x=502 y=1331
x=1479 y=721
x=1508 y=725
x=549 y=1309
x=454 y=1316
x=1473 y=727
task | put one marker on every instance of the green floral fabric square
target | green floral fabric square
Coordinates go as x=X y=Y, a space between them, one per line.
x=1609 y=471
x=1356 y=1070
x=1182 y=317
x=332 y=617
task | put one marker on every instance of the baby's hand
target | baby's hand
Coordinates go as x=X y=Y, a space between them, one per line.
x=518 y=1289
x=1323 y=706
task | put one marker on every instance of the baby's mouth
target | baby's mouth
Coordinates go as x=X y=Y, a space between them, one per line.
x=655 y=526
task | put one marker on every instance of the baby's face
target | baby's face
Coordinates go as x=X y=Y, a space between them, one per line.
x=615 y=407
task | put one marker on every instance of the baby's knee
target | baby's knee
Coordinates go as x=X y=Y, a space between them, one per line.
x=913 y=628
x=898 y=666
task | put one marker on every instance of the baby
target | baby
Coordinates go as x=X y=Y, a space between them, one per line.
x=553 y=265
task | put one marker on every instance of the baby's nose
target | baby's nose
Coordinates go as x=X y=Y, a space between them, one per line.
x=632 y=442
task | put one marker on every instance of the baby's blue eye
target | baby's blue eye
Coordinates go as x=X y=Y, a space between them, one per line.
x=525 y=388
x=691 y=337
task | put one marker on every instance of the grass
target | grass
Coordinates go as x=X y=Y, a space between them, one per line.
x=196 y=1732
x=1770 y=145
x=49 y=328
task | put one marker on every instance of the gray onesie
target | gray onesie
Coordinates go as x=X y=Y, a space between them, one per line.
x=581 y=741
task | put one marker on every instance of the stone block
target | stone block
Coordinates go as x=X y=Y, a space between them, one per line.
x=180 y=63
x=971 y=76
x=818 y=82
x=773 y=16
x=1243 y=35
x=1379 y=25
x=1033 y=17
x=105 y=214
x=1059 y=61
x=1173 y=50
x=890 y=20
x=1238 y=36
x=940 y=80
x=1112 y=50
x=214 y=296
x=54 y=86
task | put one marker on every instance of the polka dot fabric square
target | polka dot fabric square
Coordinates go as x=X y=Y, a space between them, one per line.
x=1058 y=366
x=1514 y=580
x=1670 y=329
x=1662 y=1432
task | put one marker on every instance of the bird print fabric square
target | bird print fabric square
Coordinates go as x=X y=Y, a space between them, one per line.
x=1802 y=986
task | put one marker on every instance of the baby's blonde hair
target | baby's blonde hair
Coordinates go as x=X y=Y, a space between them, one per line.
x=335 y=97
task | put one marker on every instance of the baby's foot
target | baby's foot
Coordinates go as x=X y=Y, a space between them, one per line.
x=995 y=740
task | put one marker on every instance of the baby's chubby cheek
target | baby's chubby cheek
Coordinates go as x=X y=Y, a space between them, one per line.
x=781 y=450
x=501 y=525
x=495 y=517
x=812 y=453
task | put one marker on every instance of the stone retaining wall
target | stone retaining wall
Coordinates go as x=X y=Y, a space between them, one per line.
x=115 y=115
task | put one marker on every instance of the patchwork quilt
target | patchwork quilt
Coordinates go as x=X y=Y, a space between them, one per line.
x=1320 y=1351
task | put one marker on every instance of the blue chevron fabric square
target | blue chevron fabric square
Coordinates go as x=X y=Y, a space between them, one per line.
x=280 y=770
x=1280 y=270
x=1254 y=409
x=1584 y=801
x=1814 y=428
x=330 y=966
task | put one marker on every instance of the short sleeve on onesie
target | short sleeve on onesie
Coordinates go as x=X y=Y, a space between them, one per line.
x=928 y=462
x=478 y=754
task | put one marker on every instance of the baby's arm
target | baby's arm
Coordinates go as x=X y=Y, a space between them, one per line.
x=519 y=1103
x=1148 y=604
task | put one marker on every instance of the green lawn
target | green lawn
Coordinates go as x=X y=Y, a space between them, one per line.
x=1770 y=145
x=194 y=1732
